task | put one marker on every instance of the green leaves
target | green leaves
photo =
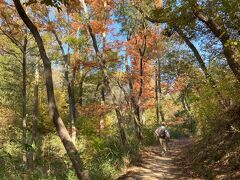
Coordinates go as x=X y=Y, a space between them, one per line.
x=77 y=42
x=232 y=43
x=31 y=147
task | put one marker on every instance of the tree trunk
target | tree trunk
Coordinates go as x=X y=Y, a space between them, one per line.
x=136 y=101
x=134 y=106
x=102 y=91
x=73 y=110
x=101 y=121
x=33 y=140
x=215 y=24
x=70 y=88
x=159 y=88
x=60 y=127
x=156 y=96
x=107 y=82
x=190 y=116
x=80 y=93
x=24 y=103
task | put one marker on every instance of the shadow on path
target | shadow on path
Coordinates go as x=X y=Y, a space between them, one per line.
x=153 y=166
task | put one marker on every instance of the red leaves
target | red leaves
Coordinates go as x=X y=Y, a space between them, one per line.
x=141 y=49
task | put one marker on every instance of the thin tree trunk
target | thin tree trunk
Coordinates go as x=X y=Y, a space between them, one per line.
x=107 y=82
x=80 y=88
x=102 y=91
x=24 y=103
x=60 y=127
x=156 y=96
x=139 y=110
x=134 y=106
x=160 y=90
x=83 y=74
x=73 y=109
x=101 y=121
x=142 y=53
x=70 y=88
x=35 y=120
x=136 y=101
x=187 y=108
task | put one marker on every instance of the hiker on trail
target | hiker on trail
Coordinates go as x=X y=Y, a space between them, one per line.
x=163 y=135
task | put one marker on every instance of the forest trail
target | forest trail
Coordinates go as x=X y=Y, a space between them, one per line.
x=153 y=166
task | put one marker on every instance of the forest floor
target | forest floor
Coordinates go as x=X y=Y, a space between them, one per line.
x=151 y=165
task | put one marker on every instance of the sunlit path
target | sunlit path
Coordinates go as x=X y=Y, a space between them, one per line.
x=154 y=166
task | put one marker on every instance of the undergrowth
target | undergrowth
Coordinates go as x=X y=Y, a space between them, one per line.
x=216 y=154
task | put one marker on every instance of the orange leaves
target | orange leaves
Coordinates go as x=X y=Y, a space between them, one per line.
x=88 y=1
x=140 y=49
x=2 y=2
x=76 y=26
x=89 y=64
x=143 y=82
x=180 y=84
x=94 y=109
x=100 y=9
x=98 y=27
x=99 y=5
x=148 y=40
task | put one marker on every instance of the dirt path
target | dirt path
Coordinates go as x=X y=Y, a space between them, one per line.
x=153 y=166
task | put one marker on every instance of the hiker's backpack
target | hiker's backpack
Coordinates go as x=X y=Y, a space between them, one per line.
x=162 y=133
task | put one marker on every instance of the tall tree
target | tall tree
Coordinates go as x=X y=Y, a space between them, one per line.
x=33 y=140
x=60 y=127
x=107 y=79
x=70 y=87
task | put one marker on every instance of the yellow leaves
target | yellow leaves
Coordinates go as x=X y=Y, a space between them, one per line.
x=119 y=75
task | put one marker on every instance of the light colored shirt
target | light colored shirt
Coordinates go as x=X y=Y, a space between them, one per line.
x=157 y=131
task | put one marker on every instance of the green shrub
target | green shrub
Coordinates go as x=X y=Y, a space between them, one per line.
x=109 y=158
